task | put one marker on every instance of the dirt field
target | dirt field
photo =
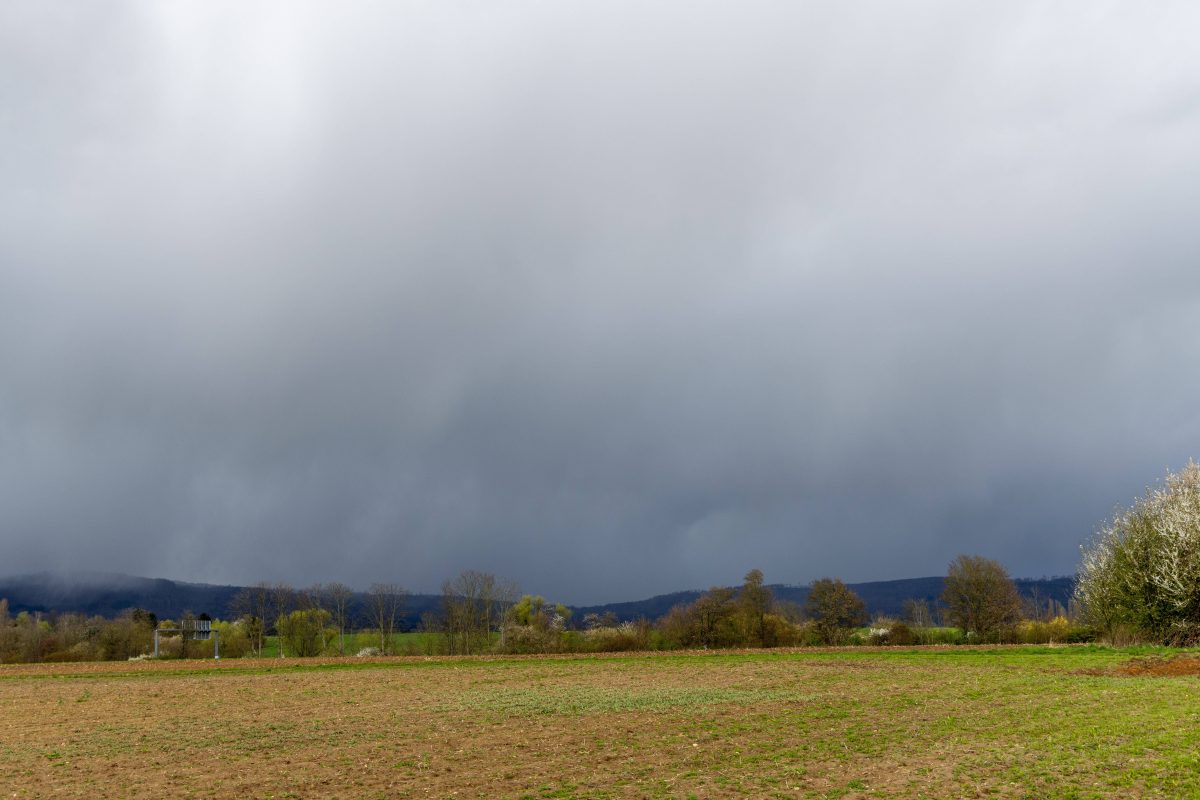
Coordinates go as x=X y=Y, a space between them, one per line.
x=858 y=723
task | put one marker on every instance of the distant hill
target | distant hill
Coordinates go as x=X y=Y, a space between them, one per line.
x=108 y=594
x=881 y=597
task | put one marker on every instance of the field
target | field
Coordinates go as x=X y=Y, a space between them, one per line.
x=409 y=643
x=854 y=723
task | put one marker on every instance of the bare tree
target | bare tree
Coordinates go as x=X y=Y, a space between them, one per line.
x=187 y=625
x=917 y=613
x=462 y=608
x=311 y=598
x=473 y=605
x=980 y=597
x=455 y=609
x=338 y=597
x=1037 y=606
x=431 y=624
x=506 y=593
x=253 y=604
x=282 y=600
x=385 y=602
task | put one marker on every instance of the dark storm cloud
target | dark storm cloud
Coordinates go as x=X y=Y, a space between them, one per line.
x=607 y=298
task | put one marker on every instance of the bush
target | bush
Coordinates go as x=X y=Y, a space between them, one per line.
x=1038 y=632
x=529 y=639
x=1080 y=634
x=940 y=636
x=170 y=646
x=902 y=635
x=611 y=639
x=808 y=635
x=887 y=631
x=779 y=632
x=235 y=638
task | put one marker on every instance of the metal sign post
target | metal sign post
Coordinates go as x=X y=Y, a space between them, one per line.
x=200 y=629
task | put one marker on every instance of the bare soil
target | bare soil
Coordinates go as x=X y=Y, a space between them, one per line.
x=1159 y=667
x=818 y=724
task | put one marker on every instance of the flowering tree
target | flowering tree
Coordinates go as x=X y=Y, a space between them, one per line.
x=1142 y=570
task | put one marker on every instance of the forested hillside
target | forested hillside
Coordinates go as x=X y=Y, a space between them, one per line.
x=108 y=595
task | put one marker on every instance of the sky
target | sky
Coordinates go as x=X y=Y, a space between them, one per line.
x=608 y=298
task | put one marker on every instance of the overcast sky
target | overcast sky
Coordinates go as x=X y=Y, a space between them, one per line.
x=610 y=298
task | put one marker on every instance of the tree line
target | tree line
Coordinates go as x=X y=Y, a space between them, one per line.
x=483 y=613
x=1139 y=581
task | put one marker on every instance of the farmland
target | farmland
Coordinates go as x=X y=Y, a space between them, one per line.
x=852 y=723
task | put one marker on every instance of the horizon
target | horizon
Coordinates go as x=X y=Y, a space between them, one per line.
x=81 y=578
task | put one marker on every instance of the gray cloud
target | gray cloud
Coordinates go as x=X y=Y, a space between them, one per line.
x=607 y=298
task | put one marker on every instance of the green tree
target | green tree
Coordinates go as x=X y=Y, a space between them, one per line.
x=337 y=599
x=236 y=640
x=980 y=598
x=303 y=632
x=130 y=634
x=834 y=609
x=531 y=610
x=533 y=625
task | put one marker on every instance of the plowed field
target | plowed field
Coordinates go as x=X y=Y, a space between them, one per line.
x=1005 y=722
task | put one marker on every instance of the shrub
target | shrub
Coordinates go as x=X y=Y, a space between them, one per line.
x=902 y=635
x=610 y=639
x=529 y=639
x=1043 y=632
x=1079 y=634
x=235 y=638
x=940 y=636
x=807 y=635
